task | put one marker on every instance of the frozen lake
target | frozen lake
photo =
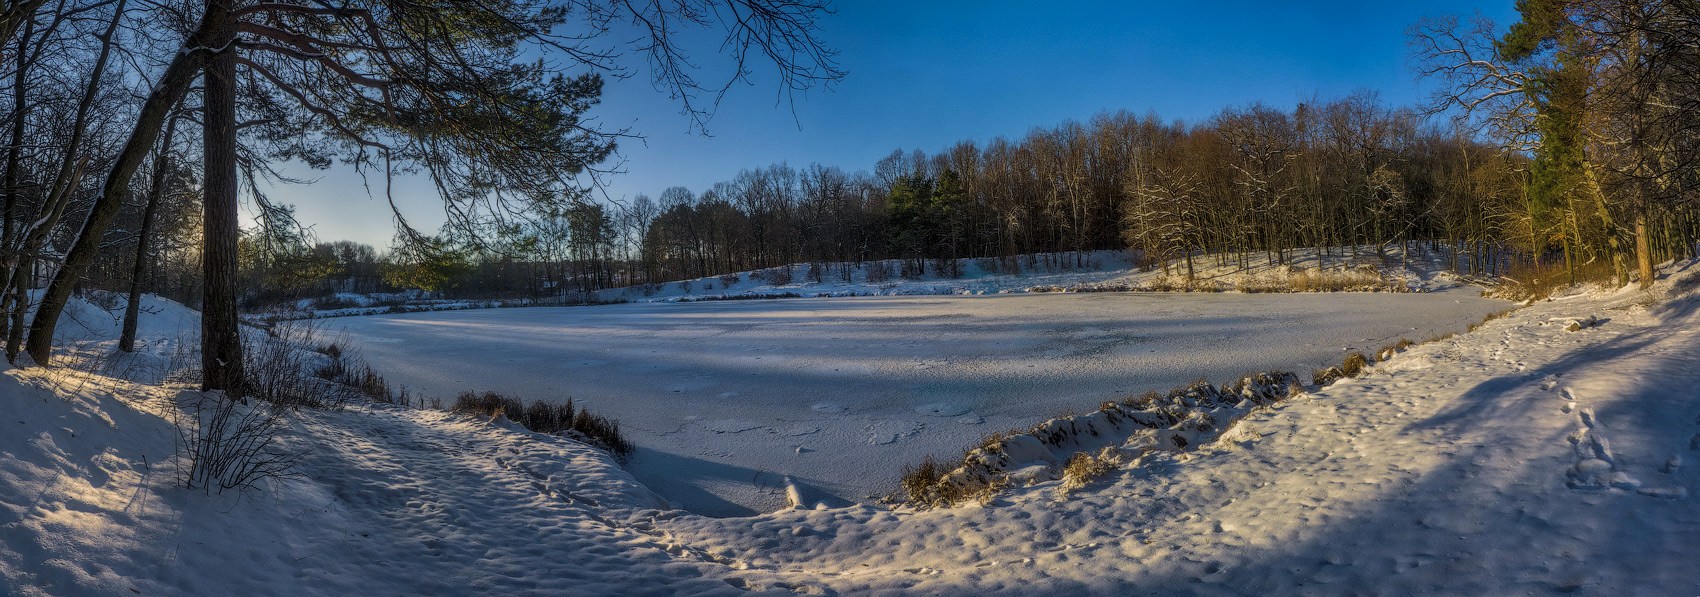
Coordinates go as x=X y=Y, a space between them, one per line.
x=724 y=399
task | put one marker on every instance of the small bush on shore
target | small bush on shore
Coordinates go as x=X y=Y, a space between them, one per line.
x=1354 y=364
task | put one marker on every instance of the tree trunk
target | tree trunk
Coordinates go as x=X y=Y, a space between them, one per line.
x=14 y=155
x=1643 y=252
x=221 y=336
x=173 y=84
x=156 y=187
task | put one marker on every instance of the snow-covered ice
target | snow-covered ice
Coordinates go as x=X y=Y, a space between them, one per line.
x=725 y=399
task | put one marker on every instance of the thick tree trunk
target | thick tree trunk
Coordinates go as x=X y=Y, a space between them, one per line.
x=156 y=187
x=1643 y=252
x=221 y=337
x=65 y=183
x=14 y=156
x=173 y=84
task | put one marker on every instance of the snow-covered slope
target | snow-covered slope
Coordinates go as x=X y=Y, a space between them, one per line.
x=1521 y=458
x=1388 y=269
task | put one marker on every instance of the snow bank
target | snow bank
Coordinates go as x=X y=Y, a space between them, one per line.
x=1341 y=269
x=1185 y=417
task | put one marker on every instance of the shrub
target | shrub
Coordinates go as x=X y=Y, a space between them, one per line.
x=1389 y=350
x=223 y=444
x=406 y=399
x=1323 y=377
x=727 y=280
x=369 y=384
x=1083 y=468
x=276 y=370
x=930 y=485
x=919 y=481
x=604 y=432
x=1354 y=364
x=545 y=417
x=488 y=404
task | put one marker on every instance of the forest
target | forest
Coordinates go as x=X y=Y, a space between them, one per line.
x=1564 y=144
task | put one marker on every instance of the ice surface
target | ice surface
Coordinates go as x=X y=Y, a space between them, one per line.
x=882 y=381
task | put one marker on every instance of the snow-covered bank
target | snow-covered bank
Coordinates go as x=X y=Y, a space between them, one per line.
x=1364 y=269
x=726 y=399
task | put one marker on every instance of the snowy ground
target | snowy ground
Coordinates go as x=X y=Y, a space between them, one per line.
x=1518 y=459
x=725 y=399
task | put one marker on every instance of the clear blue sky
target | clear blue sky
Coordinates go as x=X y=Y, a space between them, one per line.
x=924 y=75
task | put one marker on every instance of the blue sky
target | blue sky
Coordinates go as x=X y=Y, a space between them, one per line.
x=924 y=75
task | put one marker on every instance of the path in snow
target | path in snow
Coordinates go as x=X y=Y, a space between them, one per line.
x=725 y=399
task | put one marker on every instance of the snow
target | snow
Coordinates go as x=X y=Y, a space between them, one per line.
x=1447 y=470
x=725 y=398
x=1058 y=272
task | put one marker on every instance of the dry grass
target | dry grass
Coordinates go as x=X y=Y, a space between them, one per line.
x=932 y=485
x=1389 y=350
x=1083 y=468
x=545 y=417
x=919 y=481
x=980 y=474
x=1532 y=283
x=1282 y=280
x=1323 y=377
x=1168 y=283
x=1485 y=319
x=1362 y=278
x=1354 y=364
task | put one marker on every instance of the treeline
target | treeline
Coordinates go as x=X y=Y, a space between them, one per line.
x=1348 y=175
x=1345 y=173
